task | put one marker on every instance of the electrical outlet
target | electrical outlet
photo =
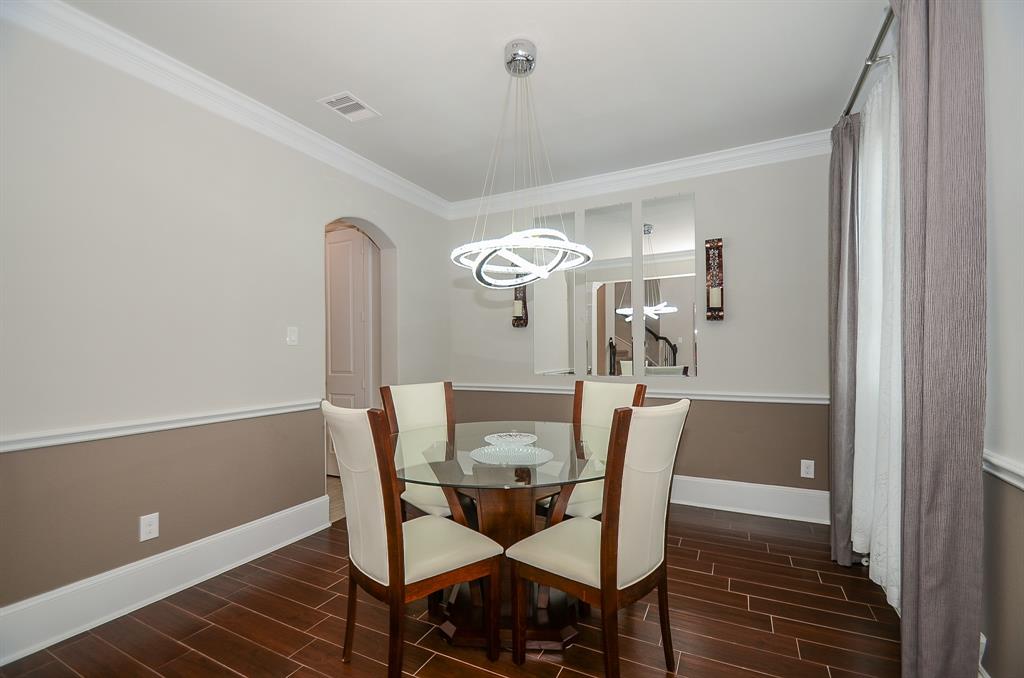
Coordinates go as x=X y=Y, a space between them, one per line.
x=149 y=526
x=806 y=468
x=291 y=336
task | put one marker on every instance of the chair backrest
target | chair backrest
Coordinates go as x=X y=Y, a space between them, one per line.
x=641 y=456
x=412 y=406
x=595 y=401
x=363 y=448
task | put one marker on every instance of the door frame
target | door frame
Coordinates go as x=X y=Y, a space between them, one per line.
x=379 y=268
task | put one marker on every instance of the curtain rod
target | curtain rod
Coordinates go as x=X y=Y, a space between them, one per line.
x=870 y=61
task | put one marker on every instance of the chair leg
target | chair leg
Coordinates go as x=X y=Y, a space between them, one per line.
x=396 y=639
x=453 y=594
x=492 y=609
x=350 y=619
x=666 y=629
x=518 y=616
x=610 y=635
x=434 y=601
x=543 y=596
x=544 y=592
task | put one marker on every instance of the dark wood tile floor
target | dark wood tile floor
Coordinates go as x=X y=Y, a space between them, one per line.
x=750 y=597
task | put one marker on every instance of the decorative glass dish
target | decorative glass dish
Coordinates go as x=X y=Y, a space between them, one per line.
x=511 y=455
x=512 y=438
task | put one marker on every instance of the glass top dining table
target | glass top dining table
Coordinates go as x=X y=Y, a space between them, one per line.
x=504 y=495
x=426 y=456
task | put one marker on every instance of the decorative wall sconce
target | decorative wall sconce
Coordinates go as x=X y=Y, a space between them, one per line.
x=715 y=279
x=520 y=313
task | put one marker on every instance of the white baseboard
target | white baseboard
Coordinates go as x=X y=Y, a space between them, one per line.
x=30 y=625
x=774 y=501
x=982 y=673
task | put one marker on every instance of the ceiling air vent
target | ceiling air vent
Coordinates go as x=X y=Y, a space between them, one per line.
x=351 y=108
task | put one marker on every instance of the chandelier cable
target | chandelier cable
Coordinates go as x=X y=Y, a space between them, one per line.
x=505 y=261
x=492 y=167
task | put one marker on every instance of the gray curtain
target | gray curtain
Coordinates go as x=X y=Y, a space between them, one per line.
x=842 y=284
x=942 y=128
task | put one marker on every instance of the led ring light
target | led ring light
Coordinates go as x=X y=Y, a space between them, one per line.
x=478 y=256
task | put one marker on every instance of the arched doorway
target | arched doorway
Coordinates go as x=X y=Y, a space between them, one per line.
x=353 y=294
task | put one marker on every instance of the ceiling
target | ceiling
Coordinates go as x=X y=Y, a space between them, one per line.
x=618 y=84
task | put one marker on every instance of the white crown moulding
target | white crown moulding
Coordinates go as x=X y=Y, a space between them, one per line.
x=78 y=30
x=752 y=155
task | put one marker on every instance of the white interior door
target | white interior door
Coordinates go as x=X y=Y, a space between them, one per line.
x=350 y=272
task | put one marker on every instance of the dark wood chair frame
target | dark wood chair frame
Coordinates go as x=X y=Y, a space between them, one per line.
x=454 y=503
x=458 y=509
x=397 y=594
x=388 y=400
x=577 y=405
x=459 y=506
x=608 y=597
x=554 y=512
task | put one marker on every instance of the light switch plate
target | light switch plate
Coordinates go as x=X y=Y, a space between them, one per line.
x=292 y=336
x=806 y=468
x=149 y=526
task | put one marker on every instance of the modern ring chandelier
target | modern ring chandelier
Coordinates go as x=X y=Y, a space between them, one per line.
x=535 y=251
x=654 y=305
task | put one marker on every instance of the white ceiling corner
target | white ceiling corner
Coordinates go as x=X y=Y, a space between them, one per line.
x=752 y=155
x=78 y=30
x=100 y=40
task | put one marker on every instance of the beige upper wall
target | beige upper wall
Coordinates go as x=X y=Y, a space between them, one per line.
x=774 y=339
x=1003 y=32
x=152 y=253
x=1003 y=27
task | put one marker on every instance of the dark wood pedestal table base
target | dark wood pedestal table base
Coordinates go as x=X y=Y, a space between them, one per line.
x=504 y=500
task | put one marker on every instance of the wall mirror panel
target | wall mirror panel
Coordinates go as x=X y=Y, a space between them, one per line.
x=669 y=286
x=552 y=309
x=606 y=282
x=583 y=319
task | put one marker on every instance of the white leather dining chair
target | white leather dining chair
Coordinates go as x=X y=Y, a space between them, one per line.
x=393 y=561
x=413 y=407
x=593 y=405
x=617 y=561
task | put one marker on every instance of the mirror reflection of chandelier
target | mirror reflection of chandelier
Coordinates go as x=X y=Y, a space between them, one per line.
x=535 y=251
x=654 y=305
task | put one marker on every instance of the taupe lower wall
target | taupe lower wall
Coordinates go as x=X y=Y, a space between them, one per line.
x=1004 y=579
x=72 y=511
x=744 y=441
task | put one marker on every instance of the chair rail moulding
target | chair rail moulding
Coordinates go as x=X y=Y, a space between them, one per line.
x=27 y=441
x=1004 y=468
x=77 y=30
x=655 y=392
